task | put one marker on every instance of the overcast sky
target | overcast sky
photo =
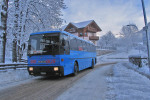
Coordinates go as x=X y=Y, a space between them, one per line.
x=110 y=15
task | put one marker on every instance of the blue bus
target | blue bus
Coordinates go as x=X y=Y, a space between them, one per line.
x=59 y=53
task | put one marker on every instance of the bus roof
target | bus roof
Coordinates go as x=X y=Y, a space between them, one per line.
x=62 y=32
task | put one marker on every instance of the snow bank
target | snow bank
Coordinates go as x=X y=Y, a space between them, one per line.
x=10 y=76
x=120 y=56
x=112 y=57
x=126 y=84
x=144 y=69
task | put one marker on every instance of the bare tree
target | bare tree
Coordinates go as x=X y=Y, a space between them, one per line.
x=3 y=28
x=129 y=34
x=107 y=40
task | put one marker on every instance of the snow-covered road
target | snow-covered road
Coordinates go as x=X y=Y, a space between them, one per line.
x=90 y=87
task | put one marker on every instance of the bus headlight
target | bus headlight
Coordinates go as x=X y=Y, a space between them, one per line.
x=55 y=68
x=30 y=68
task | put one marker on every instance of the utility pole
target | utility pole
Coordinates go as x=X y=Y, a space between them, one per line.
x=1 y=49
x=147 y=35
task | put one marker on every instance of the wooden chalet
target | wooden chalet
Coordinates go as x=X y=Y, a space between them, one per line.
x=87 y=30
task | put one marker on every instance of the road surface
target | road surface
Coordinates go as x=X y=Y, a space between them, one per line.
x=47 y=88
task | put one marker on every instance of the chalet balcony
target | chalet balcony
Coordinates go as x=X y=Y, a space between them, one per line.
x=93 y=38
x=91 y=29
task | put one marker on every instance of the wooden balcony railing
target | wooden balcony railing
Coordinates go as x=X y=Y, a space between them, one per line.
x=93 y=38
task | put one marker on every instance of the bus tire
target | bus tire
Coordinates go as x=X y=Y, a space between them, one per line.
x=75 y=69
x=92 y=67
x=95 y=60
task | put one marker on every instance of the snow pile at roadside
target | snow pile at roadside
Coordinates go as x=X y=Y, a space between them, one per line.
x=10 y=76
x=126 y=84
x=114 y=57
x=144 y=69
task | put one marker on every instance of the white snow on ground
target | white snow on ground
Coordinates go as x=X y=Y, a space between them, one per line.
x=144 y=69
x=118 y=54
x=115 y=57
x=7 y=77
x=123 y=54
x=126 y=84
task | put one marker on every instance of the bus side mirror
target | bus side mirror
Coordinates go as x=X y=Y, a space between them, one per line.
x=63 y=43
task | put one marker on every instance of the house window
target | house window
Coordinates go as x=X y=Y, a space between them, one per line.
x=81 y=34
x=72 y=30
x=85 y=34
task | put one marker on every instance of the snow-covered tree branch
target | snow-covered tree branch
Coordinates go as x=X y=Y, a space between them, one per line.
x=107 y=40
x=28 y=16
x=130 y=37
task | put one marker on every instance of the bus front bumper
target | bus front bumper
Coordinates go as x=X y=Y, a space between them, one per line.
x=46 y=70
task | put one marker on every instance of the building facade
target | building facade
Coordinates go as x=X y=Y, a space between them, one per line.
x=86 y=30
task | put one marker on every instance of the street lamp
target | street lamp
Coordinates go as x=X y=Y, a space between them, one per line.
x=147 y=35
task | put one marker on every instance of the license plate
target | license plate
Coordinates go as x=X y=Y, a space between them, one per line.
x=43 y=73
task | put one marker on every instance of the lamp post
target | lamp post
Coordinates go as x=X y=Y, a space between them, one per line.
x=146 y=30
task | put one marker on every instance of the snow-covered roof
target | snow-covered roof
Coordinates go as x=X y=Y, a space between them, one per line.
x=63 y=27
x=82 y=24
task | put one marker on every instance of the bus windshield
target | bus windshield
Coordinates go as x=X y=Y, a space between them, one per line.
x=44 y=44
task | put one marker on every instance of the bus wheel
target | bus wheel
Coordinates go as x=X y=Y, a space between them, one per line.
x=92 y=64
x=75 y=69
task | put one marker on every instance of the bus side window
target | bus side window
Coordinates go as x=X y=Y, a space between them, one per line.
x=65 y=43
x=84 y=45
x=73 y=43
x=67 y=48
x=90 y=47
x=93 y=48
x=80 y=47
x=87 y=47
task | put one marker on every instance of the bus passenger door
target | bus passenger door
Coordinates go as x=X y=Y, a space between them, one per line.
x=66 y=55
